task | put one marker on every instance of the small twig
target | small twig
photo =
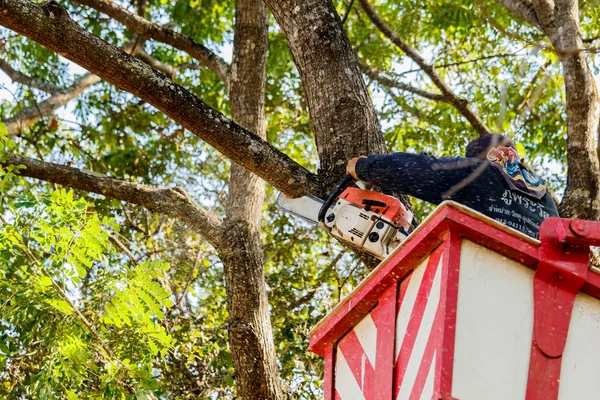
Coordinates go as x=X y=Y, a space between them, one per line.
x=8 y=300
x=592 y=39
x=312 y=291
x=373 y=74
x=347 y=12
x=19 y=77
x=351 y=272
x=522 y=101
x=461 y=105
x=122 y=247
x=189 y=280
x=455 y=64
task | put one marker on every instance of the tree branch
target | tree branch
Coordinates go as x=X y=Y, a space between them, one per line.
x=167 y=69
x=591 y=39
x=455 y=64
x=532 y=93
x=30 y=115
x=50 y=25
x=141 y=8
x=122 y=247
x=347 y=14
x=146 y=28
x=461 y=105
x=84 y=321
x=544 y=10
x=174 y=202
x=19 y=77
x=343 y=119
x=522 y=9
x=384 y=80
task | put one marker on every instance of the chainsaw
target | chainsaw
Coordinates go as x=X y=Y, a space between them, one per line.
x=368 y=220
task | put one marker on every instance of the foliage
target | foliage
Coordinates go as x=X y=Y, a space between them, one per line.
x=60 y=336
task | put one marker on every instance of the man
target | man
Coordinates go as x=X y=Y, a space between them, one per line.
x=491 y=179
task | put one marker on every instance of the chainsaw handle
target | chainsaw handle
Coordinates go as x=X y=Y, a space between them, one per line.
x=346 y=180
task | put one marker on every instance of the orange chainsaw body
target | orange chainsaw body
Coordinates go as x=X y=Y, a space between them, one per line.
x=387 y=206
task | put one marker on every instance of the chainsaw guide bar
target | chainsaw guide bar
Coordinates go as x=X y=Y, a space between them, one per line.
x=305 y=207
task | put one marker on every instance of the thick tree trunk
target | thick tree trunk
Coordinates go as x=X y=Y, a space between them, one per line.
x=343 y=117
x=582 y=195
x=559 y=20
x=250 y=333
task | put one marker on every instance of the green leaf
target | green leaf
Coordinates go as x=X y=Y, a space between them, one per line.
x=61 y=306
x=3 y=130
x=45 y=281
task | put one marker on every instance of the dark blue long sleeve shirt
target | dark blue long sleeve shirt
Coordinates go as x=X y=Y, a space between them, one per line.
x=433 y=179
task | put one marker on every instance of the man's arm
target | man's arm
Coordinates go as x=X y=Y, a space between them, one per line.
x=417 y=175
x=351 y=167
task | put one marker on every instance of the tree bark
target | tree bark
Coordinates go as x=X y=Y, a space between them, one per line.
x=250 y=332
x=344 y=121
x=522 y=9
x=582 y=194
x=50 y=25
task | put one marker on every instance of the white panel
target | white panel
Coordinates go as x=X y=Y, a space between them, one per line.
x=345 y=384
x=366 y=331
x=580 y=370
x=414 y=361
x=408 y=303
x=494 y=326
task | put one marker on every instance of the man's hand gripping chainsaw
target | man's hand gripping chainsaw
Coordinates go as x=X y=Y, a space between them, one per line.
x=363 y=218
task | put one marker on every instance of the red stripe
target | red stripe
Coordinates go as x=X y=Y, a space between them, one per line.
x=354 y=354
x=384 y=317
x=439 y=329
x=416 y=317
x=403 y=288
x=450 y=276
x=328 y=373
x=376 y=385
x=433 y=347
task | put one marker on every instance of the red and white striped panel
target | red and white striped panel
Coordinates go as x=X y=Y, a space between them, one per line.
x=419 y=331
x=364 y=363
